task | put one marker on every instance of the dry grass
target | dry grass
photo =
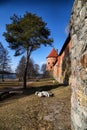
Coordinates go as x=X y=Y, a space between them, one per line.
x=10 y=83
x=29 y=112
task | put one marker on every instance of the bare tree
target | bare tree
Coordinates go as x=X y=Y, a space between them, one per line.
x=36 y=68
x=5 y=61
x=44 y=72
x=20 y=68
x=43 y=68
x=1 y=52
x=32 y=70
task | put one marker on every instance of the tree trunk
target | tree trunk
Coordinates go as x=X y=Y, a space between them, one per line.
x=25 y=76
x=25 y=72
x=2 y=77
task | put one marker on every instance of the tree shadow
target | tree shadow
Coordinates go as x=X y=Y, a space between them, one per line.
x=32 y=90
x=16 y=93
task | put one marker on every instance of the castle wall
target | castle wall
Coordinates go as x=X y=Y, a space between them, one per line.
x=66 y=64
x=57 y=71
x=78 y=27
x=62 y=68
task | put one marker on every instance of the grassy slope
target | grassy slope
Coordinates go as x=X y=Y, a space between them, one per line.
x=29 y=112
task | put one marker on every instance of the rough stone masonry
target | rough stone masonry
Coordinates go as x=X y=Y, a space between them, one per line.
x=78 y=27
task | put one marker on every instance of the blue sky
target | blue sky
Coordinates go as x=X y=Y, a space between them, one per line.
x=56 y=13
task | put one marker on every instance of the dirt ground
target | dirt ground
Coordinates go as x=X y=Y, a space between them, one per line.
x=30 y=112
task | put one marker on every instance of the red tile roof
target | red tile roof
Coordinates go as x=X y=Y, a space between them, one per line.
x=53 y=53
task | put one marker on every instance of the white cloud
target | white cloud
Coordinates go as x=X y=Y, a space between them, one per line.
x=42 y=62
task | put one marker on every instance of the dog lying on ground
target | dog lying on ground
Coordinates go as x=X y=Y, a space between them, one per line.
x=43 y=94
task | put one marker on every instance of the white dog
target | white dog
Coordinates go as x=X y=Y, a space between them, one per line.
x=43 y=94
x=39 y=94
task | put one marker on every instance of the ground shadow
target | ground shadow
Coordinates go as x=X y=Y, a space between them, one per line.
x=32 y=90
x=14 y=93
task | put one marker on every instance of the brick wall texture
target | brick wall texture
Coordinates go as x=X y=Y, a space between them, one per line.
x=78 y=31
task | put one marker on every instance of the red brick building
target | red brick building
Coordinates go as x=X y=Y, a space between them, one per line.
x=52 y=59
x=59 y=65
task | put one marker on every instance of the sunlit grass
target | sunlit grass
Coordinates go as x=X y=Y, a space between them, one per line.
x=35 y=83
x=27 y=112
x=9 y=83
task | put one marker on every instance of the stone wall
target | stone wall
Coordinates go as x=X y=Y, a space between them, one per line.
x=78 y=27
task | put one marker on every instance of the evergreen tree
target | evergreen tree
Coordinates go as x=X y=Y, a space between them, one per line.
x=26 y=34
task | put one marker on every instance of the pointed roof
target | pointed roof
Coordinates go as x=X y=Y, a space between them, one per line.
x=53 y=53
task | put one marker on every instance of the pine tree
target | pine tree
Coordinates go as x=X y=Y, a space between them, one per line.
x=26 y=34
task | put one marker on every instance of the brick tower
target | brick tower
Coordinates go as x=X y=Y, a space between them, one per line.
x=51 y=60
